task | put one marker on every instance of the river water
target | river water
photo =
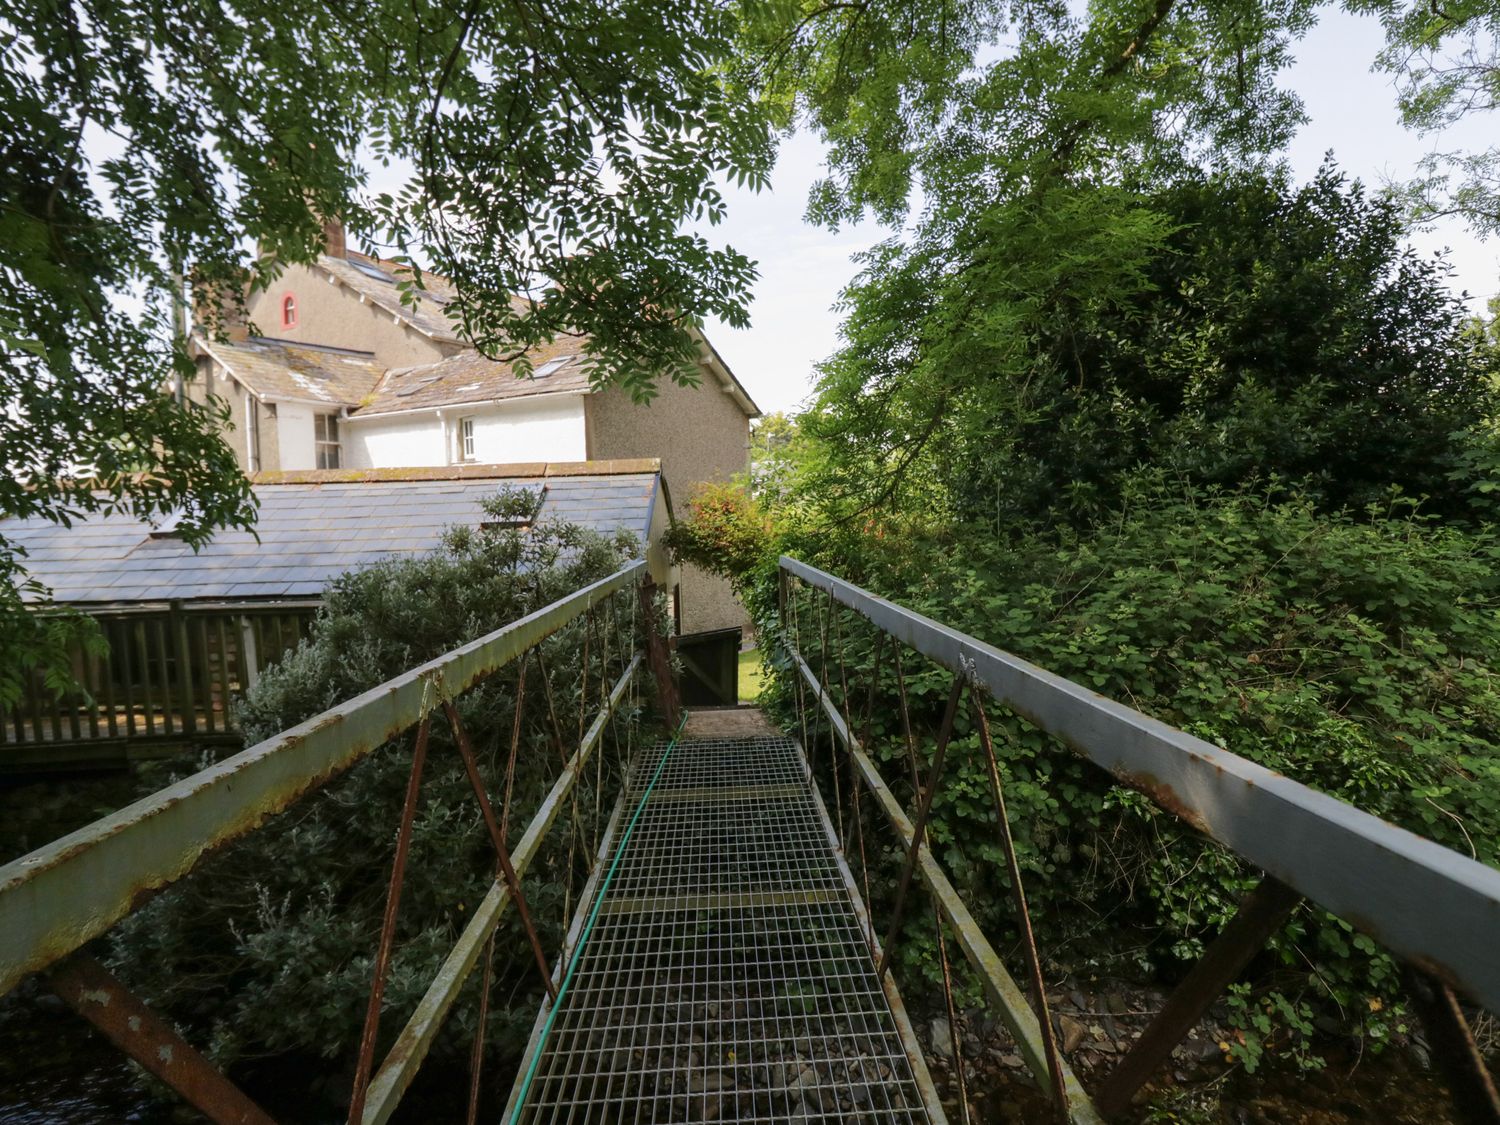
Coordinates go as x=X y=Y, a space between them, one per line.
x=53 y=1068
x=54 y=1071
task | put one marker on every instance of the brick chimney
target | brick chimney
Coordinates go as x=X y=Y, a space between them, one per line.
x=333 y=239
x=217 y=310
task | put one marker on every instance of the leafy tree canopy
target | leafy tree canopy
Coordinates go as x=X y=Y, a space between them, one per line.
x=553 y=154
x=1446 y=62
x=973 y=101
x=1256 y=330
x=1108 y=267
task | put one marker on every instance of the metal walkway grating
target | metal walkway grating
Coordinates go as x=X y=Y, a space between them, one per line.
x=728 y=975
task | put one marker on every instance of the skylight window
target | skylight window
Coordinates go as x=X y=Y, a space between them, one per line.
x=169 y=526
x=552 y=365
x=407 y=392
x=369 y=269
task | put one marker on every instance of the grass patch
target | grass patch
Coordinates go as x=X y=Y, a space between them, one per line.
x=750 y=675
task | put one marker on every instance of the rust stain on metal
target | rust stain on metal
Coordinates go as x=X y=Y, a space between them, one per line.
x=388 y=924
x=1165 y=796
x=91 y=991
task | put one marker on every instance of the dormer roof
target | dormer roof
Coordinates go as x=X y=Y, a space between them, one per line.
x=282 y=370
x=354 y=381
x=471 y=378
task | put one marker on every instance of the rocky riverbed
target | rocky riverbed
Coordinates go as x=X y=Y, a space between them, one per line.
x=1097 y=1024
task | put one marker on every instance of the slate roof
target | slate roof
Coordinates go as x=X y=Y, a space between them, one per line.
x=469 y=377
x=309 y=533
x=288 y=370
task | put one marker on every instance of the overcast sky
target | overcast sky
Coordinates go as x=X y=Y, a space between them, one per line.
x=803 y=268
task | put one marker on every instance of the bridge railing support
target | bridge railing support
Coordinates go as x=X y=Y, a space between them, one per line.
x=1436 y=910
x=58 y=898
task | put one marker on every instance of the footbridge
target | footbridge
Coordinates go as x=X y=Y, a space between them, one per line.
x=720 y=961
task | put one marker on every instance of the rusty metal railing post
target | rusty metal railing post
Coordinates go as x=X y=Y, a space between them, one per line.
x=476 y=1052
x=1454 y=1050
x=792 y=629
x=955 y=1036
x=515 y=747
x=1023 y=914
x=919 y=831
x=656 y=655
x=388 y=926
x=856 y=790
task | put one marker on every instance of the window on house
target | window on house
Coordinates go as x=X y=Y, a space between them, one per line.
x=289 y=311
x=326 y=439
x=169 y=526
x=466 y=438
x=370 y=269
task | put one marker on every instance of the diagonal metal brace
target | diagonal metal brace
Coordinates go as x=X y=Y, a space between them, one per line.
x=1262 y=912
x=96 y=995
x=502 y=852
x=919 y=833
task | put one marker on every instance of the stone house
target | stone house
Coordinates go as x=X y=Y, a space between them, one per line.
x=332 y=371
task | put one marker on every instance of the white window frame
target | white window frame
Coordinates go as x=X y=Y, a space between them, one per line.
x=466 y=438
x=327 y=450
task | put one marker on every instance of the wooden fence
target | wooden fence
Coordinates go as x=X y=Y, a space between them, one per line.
x=167 y=678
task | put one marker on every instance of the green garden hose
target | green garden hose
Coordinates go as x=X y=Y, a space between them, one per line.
x=588 y=926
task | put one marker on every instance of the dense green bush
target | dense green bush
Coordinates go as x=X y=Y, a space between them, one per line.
x=267 y=948
x=1357 y=655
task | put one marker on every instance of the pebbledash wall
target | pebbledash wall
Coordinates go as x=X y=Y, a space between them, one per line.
x=702 y=435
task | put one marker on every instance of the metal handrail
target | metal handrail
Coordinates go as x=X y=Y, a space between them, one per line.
x=1426 y=903
x=62 y=895
x=1434 y=908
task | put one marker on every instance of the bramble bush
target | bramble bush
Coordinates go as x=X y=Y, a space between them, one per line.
x=1356 y=653
x=267 y=949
